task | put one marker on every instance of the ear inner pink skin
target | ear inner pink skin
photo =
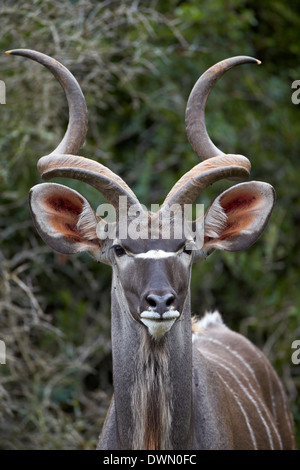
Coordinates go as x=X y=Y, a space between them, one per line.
x=64 y=205
x=247 y=207
x=240 y=203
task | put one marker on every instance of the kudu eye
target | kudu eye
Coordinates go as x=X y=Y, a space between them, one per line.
x=119 y=250
x=188 y=248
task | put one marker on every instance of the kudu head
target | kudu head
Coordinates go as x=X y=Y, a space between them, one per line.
x=151 y=253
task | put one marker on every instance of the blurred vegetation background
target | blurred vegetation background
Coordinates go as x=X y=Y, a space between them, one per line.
x=136 y=62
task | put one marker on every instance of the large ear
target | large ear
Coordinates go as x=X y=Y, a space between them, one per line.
x=63 y=218
x=238 y=216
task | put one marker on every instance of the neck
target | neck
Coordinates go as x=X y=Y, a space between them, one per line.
x=151 y=414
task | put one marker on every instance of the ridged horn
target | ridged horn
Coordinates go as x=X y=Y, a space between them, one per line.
x=195 y=110
x=190 y=185
x=215 y=165
x=78 y=115
x=63 y=161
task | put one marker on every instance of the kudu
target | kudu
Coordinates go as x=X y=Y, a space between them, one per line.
x=178 y=384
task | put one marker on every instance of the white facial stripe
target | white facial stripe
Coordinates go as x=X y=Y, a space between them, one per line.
x=155 y=254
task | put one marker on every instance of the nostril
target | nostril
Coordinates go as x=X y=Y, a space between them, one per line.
x=170 y=300
x=151 y=301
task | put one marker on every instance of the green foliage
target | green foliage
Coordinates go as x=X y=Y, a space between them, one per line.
x=136 y=63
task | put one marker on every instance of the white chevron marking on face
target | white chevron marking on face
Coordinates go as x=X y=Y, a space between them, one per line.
x=155 y=254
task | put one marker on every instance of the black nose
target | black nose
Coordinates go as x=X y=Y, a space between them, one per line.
x=161 y=303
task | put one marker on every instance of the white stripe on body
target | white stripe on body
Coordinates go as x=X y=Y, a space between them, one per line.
x=283 y=404
x=262 y=360
x=216 y=360
x=261 y=403
x=235 y=354
x=282 y=393
x=242 y=410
